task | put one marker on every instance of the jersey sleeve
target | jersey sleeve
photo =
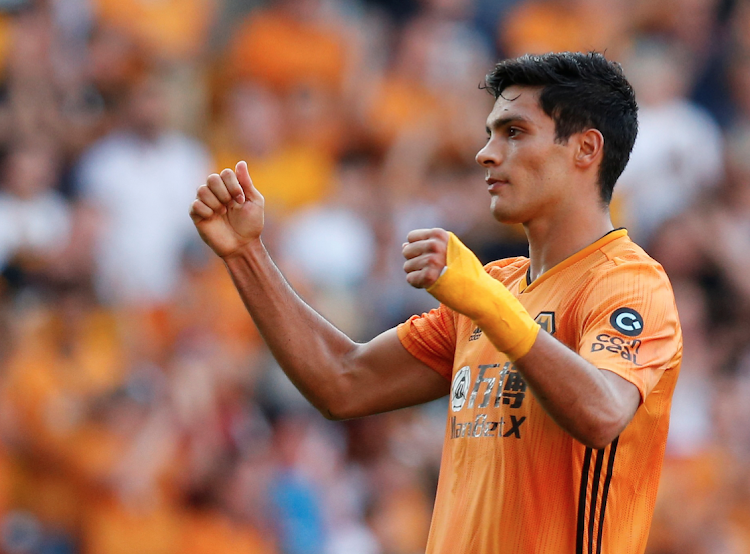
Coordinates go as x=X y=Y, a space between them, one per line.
x=431 y=338
x=630 y=324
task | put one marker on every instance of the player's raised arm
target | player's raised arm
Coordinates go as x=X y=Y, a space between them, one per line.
x=341 y=378
x=592 y=405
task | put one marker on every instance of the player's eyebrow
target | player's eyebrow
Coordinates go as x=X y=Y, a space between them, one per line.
x=501 y=122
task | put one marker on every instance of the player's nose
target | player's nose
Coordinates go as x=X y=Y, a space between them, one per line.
x=489 y=156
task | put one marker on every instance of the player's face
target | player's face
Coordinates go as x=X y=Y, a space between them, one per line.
x=528 y=173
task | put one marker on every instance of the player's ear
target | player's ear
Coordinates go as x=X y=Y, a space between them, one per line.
x=590 y=148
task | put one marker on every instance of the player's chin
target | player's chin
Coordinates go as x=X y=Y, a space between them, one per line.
x=504 y=212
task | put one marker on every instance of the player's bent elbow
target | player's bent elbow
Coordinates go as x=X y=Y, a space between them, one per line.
x=603 y=432
x=340 y=406
x=332 y=407
x=338 y=414
x=333 y=414
x=601 y=423
x=347 y=398
x=348 y=406
x=595 y=437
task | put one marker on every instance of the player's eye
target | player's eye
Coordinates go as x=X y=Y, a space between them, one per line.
x=513 y=132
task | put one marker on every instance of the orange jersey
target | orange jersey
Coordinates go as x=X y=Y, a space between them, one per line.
x=511 y=479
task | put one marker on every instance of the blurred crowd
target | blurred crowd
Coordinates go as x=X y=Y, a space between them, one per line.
x=140 y=411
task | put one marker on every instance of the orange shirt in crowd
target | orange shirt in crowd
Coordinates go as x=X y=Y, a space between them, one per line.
x=553 y=26
x=399 y=104
x=293 y=177
x=163 y=528
x=170 y=28
x=511 y=479
x=283 y=53
x=214 y=533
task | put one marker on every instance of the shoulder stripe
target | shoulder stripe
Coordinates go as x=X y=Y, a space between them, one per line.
x=582 y=500
x=605 y=493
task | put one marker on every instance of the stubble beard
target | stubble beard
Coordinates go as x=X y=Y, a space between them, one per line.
x=503 y=212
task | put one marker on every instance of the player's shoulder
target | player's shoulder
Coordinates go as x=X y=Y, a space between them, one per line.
x=625 y=253
x=625 y=282
x=624 y=260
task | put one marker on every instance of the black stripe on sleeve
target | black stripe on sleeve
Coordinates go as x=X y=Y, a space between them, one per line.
x=605 y=493
x=594 y=496
x=582 y=500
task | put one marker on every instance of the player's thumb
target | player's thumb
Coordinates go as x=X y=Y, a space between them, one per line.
x=243 y=176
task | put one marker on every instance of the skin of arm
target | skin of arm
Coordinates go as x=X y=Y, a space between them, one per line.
x=591 y=404
x=341 y=378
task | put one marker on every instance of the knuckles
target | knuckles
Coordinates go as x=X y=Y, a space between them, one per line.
x=204 y=192
x=442 y=235
x=426 y=263
x=435 y=261
x=437 y=245
x=424 y=234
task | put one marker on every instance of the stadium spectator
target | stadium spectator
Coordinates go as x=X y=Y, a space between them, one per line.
x=256 y=126
x=436 y=66
x=169 y=29
x=140 y=244
x=677 y=156
x=288 y=45
x=35 y=219
x=539 y=26
x=739 y=86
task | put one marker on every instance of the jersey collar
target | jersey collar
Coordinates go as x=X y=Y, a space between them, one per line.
x=570 y=260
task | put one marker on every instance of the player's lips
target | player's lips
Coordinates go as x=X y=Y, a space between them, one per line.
x=495 y=184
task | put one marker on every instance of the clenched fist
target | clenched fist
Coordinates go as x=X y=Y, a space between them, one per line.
x=426 y=255
x=228 y=211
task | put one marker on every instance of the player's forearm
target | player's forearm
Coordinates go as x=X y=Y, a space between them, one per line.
x=577 y=395
x=311 y=351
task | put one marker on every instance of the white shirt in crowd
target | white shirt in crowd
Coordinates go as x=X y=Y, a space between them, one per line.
x=144 y=190
x=677 y=155
x=40 y=224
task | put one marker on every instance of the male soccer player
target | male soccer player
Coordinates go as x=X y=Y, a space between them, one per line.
x=560 y=367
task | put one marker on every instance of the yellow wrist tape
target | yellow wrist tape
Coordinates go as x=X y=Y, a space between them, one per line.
x=465 y=287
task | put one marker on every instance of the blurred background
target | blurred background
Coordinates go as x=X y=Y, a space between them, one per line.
x=140 y=411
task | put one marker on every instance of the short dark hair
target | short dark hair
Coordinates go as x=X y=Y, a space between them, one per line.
x=579 y=91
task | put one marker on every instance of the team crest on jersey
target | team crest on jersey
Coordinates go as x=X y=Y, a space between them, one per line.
x=546 y=321
x=460 y=388
x=475 y=334
x=627 y=321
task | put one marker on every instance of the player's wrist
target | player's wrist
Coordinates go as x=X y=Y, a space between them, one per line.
x=468 y=289
x=247 y=251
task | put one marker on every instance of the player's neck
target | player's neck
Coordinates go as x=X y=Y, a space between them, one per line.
x=553 y=239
